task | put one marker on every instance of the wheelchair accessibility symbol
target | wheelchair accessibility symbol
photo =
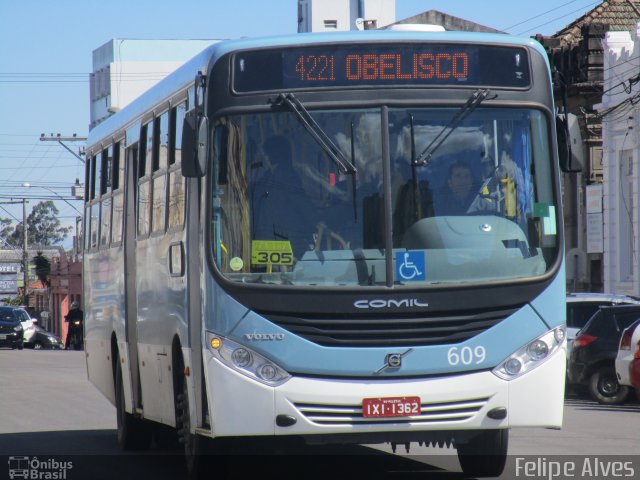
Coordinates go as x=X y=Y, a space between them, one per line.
x=410 y=266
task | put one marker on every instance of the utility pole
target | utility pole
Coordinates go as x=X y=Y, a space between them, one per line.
x=25 y=258
x=58 y=138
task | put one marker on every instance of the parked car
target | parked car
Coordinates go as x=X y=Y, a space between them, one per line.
x=582 y=306
x=43 y=340
x=28 y=325
x=10 y=329
x=634 y=370
x=626 y=352
x=592 y=358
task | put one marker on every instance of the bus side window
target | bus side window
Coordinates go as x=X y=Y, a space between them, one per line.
x=87 y=200
x=96 y=165
x=144 y=184
x=160 y=147
x=117 y=199
x=105 y=191
x=176 y=180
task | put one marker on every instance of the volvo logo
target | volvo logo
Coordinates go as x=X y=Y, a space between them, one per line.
x=379 y=303
x=264 y=336
x=394 y=360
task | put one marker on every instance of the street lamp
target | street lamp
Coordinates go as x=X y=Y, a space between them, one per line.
x=28 y=185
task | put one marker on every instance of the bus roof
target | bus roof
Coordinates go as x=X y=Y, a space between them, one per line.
x=184 y=76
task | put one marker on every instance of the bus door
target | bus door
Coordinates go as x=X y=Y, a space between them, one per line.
x=131 y=304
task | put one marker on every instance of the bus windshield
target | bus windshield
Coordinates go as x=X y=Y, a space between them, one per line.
x=472 y=197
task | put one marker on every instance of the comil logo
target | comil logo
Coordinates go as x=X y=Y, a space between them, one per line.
x=403 y=303
x=38 y=469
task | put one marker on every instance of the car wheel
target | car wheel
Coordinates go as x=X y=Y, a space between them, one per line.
x=485 y=455
x=604 y=387
x=37 y=345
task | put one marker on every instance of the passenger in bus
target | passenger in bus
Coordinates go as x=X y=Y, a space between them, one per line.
x=459 y=192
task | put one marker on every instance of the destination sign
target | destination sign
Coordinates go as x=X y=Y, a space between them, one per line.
x=423 y=64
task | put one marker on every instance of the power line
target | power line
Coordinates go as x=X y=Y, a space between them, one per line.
x=591 y=4
x=540 y=15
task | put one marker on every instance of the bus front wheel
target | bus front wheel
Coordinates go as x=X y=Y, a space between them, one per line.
x=133 y=433
x=196 y=447
x=485 y=455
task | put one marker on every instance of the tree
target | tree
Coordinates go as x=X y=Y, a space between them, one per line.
x=43 y=268
x=43 y=227
x=5 y=231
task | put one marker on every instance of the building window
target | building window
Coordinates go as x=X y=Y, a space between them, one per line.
x=330 y=24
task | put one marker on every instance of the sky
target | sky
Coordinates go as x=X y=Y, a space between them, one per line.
x=46 y=54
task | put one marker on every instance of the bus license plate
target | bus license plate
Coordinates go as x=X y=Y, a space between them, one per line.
x=391 y=407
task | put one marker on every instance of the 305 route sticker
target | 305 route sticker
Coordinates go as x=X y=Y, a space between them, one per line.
x=271 y=252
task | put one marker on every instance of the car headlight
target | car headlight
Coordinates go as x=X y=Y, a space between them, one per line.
x=531 y=355
x=246 y=361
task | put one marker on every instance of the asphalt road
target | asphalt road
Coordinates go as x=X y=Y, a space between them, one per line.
x=50 y=412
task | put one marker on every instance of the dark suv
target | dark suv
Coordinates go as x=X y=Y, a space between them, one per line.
x=582 y=306
x=10 y=328
x=592 y=359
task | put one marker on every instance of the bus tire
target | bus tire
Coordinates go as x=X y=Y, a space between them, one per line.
x=195 y=446
x=604 y=387
x=133 y=433
x=485 y=455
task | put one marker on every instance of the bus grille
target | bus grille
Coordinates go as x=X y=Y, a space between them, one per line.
x=430 y=413
x=344 y=331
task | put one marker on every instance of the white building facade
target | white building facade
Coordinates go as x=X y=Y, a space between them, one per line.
x=123 y=69
x=343 y=15
x=620 y=110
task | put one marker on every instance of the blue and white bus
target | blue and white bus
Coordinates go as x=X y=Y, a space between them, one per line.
x=349 y=238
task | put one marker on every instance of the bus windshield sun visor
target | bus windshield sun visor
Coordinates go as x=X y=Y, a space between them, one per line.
x=467 y=109
x=289 y=101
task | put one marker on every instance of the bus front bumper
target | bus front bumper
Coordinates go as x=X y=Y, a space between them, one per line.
x=241 y=406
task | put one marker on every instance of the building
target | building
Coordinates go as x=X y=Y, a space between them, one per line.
x=11 y=276
x=576 y=52
x=12 y=272
x=343 y=15
x=48 y=301
x=123 y=69
x=65 y=287
x=449 y=22
x=620 y=113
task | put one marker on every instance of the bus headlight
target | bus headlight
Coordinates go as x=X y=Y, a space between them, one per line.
x=531 y=355
x=246 y=361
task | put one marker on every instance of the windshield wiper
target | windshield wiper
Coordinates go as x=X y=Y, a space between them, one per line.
x=302 y=114
x=472 y=103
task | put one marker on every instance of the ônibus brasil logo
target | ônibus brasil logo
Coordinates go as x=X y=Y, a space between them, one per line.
x=37 y=469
